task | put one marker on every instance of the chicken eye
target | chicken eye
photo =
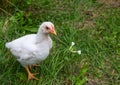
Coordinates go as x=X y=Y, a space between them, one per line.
x=47 y=28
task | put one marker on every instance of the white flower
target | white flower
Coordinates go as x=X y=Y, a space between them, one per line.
x=73 y=51
x=72 y=44
x=79 y=52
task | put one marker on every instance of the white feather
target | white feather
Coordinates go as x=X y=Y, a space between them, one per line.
x=30 y=49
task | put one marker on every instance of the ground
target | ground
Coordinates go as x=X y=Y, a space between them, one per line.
x=94 y=26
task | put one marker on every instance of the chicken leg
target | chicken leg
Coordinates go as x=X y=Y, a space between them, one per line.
x=30 y=75
x=34 y=65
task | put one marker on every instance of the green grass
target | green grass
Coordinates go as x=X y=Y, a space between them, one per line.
x=93 y=26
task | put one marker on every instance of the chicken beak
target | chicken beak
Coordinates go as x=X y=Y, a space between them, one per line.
x=53 y=32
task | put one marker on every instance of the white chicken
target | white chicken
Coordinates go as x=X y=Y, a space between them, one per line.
x=33 y=48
